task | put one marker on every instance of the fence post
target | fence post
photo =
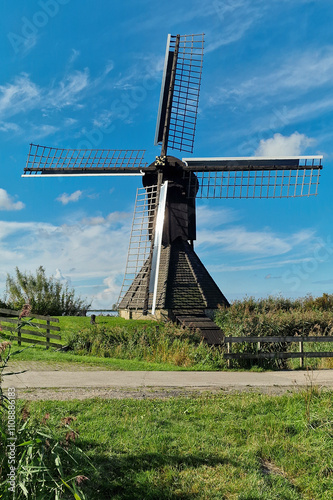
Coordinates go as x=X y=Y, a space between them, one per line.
x=229 y=352
x=47 y=334
x=19 y=332
x=301 y=350
x=258 y=351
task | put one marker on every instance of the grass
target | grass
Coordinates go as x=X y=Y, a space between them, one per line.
x=56 y=358
x=115 y=343
x=241 y=446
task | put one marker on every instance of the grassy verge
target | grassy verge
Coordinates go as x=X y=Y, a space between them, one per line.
x=243 y=446
x=116 y=343
x=56 y=358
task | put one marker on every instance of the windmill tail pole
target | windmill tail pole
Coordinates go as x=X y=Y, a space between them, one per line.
x=170 y=97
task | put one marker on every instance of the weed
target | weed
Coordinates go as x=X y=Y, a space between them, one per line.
x=34 y=464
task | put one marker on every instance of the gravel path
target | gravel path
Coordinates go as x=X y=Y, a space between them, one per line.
x=64 y=381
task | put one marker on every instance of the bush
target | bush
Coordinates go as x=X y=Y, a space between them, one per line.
x=46 y=295
x=161 y=343
x=275 y=317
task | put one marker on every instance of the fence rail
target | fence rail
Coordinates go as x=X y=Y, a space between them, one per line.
x=17 y=330
x=300 y=340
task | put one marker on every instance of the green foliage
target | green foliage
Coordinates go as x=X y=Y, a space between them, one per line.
x=35 y=463
x=276 y=317
x=155 y=343
x=324 y=303
x=46 y=295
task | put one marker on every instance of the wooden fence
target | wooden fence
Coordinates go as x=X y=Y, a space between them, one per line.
x=20 y=329
x=276 y=355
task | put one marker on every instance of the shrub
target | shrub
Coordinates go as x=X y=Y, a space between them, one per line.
x=161 y=343
x=275 y=317
x=46 y=295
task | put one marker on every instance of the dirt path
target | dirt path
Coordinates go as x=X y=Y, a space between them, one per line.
x=63 y=381
x=139 y=394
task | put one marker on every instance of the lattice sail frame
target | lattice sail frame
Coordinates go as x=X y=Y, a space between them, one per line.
x=223 y=178
x=188 y=51
x=140 y=246
x=43 y=160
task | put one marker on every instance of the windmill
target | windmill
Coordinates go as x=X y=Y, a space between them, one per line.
x=164 y=276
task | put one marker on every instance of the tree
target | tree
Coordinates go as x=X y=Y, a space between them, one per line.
x=46 y=295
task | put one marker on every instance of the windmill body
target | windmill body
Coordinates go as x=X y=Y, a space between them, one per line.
x=164 y=276
x=184 y=286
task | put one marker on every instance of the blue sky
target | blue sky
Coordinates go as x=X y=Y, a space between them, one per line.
x=83 y=73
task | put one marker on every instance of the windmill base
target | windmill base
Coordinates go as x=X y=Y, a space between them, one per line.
x=164 y=314
x=184 y=287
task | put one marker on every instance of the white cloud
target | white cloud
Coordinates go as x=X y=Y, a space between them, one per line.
x=82 y=254
x=41 y=131
x=67 y=198
x=308 y=110
x=7 y=202
x=257 y=266
x=104 y=119
x=60 y=277
x=300 y=73
x=214 y=217
x=279 y=145
x=18 y=96
x=112 y=219
x=107 y=295
x=109 y=67
x=23 y=95
x=68 y=90
x=9 y=127
x=74 y=55
x=238 y=240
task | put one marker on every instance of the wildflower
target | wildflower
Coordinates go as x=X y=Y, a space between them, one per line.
x=25 y=414
x=3 y=346
x=46 y=417
x=70 y=436
x=68 y=420
x=26 y=310
x=80 y=479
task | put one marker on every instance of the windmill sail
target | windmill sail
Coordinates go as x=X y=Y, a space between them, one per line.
x=143 y=260
x=179 y=99
x=48 y=161
x=137 y=272
x=254 y=177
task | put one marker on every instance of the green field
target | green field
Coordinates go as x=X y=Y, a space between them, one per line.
x=241 y=446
